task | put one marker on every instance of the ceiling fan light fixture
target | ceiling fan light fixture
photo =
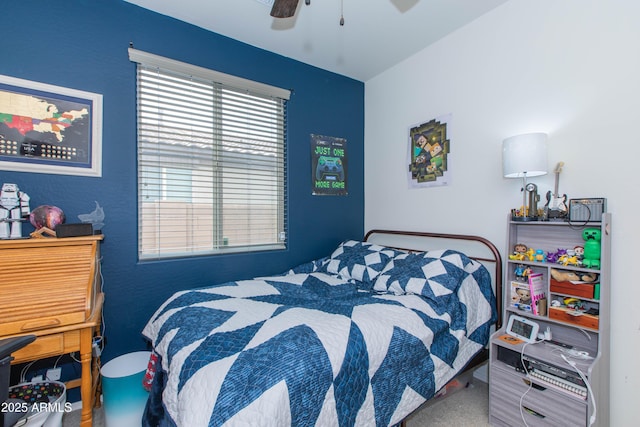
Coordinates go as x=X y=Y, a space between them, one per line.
x=284 y=8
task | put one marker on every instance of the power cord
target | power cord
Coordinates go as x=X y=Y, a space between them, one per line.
x=98 y=342
x=586 y=333
x=577 y=354
x=25 y=369
x=546 y=336
x=526 y=371
x=571 y=363
x=583 y=225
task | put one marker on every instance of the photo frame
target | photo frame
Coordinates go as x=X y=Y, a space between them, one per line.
x=49 y=129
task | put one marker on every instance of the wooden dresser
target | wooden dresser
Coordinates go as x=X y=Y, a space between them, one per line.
x=50 y=287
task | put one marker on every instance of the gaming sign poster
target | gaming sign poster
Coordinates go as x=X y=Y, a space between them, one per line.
x=328 y=165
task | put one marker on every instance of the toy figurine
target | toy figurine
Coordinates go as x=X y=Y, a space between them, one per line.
x=592 y=237
x=574 y=304
x=569 y=258
x=14 y=206
x=530 y=254
x=522 y=273
x=519 y=252
x=539 y=256
x=553 y=257
x=524 y=296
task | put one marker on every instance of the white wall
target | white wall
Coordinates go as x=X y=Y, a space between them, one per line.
x=570 y=68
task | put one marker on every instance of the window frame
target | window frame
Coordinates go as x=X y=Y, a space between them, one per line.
x=233 y=85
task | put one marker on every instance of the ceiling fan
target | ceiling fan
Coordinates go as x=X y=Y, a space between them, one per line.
x=285 y=8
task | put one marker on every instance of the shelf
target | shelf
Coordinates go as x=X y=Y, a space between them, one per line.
x=584 y=333
x=552 y=265
x=557 y=223
x=593 y=301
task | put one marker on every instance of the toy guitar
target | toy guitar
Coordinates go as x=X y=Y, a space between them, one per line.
x=556 y=206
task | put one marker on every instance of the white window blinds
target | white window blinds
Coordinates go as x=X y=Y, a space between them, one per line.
x=211 y=161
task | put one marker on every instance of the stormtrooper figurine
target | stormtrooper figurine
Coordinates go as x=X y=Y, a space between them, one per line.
x=14 y=206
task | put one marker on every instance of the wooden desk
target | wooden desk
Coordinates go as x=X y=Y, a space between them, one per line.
x=69 y=339
x=51 y=288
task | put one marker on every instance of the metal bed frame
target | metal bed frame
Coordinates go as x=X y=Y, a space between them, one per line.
x=475 y=247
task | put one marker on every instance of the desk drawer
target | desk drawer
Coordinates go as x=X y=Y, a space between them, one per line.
x=541 y=406
x=49 y=345
x=40 y=323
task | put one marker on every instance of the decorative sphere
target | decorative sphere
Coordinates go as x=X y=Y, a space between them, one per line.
x=46 y=216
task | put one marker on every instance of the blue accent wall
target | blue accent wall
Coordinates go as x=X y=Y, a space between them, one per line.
x=82 y=44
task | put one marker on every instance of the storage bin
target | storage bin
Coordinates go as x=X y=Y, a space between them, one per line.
x=47 y=401
x=583 y=290
x=564 y=314
x=123 y=395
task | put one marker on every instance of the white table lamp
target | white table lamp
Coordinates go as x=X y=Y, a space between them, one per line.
x=525 y=156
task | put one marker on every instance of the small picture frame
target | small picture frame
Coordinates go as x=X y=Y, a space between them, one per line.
x=49 y=129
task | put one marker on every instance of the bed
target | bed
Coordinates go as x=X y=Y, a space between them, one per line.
x=363 y=336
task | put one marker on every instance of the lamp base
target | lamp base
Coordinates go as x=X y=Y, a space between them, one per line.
x=524 y=218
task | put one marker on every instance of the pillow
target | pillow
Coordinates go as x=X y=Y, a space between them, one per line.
x=309 y=267
x=431 y=274
x=361 y=261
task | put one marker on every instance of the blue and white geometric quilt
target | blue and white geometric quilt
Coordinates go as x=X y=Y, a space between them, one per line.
x=314 y=348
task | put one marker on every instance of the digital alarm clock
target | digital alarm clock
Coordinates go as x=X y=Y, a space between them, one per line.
x=525 y=329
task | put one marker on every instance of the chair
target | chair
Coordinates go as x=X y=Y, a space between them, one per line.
x=8 y=346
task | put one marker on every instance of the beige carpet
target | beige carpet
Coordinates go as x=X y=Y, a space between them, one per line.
x=465 y=407
x=72 y=419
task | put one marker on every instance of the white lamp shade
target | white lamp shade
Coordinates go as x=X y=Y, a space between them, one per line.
x=524 y=155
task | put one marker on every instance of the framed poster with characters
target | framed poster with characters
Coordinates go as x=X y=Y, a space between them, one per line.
x=429 y=149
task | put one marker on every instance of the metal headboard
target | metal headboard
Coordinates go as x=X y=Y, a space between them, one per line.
x=475 y=247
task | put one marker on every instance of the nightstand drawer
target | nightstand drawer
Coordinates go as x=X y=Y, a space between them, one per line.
x=541 y=406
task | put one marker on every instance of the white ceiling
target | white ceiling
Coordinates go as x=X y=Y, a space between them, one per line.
x=376 y=35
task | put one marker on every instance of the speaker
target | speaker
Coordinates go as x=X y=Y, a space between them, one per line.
x=74 y=230
x=586 y=210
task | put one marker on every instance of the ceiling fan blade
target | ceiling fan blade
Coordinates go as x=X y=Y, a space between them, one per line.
x=284 y=8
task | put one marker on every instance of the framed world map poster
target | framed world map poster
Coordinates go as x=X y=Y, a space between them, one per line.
x=49 y=129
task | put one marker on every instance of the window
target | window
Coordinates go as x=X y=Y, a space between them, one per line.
x=211 y=161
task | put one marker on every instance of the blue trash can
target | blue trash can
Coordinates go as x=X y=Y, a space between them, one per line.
x=123 y=395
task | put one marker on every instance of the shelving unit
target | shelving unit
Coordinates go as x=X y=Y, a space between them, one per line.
x=564 y=381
